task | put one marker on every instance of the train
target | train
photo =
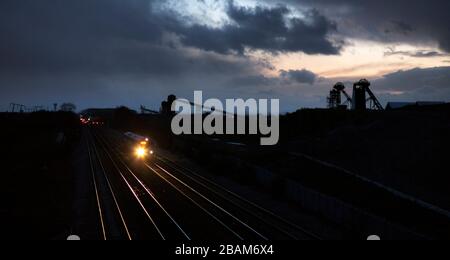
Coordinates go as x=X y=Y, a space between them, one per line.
x=142 y=146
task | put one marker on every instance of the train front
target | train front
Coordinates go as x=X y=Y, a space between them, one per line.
x=141 y=146
x=143 y=149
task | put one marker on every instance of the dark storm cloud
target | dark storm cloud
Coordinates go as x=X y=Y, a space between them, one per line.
x=300 y=76
x=417 y=79
x=116 y=36
x=267 y=29
x=252 y=80
x=100 y=17
x=56 y=36
x=398 y=27
x=416 y=54
x=410 y=21
x=94 y=37
x=290 y=78
x=99 y=37
x=103 y=47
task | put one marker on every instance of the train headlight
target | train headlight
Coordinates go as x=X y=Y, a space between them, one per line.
x=141 y=152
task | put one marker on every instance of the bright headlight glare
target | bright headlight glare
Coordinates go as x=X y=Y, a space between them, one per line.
x=141 y=152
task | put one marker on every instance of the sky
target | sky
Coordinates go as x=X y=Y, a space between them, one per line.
x=107 y=53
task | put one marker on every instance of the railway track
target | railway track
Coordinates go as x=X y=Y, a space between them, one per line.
x=150 y=211
x=174 y=197
x=96 y=190
x=243 y=219
x=164 y=200
x=110 y=214
x=291 y=230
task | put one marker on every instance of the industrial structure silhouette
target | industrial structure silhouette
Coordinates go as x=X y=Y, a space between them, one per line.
x=360 y=101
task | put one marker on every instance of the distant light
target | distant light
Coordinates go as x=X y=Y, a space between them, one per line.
x=143 y=143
